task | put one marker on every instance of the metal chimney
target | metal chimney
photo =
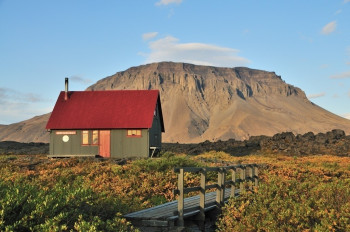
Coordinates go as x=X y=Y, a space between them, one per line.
x=66 y=89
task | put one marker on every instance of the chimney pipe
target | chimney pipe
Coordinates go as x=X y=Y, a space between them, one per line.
x=66 y=89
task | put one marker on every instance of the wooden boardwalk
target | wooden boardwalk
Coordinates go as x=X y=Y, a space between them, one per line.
x=166 y=215
x=172 y=215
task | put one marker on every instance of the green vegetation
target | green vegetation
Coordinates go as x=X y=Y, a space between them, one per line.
x=26 y=206
x=40 y=194
x=308 y=195
x=295 y=193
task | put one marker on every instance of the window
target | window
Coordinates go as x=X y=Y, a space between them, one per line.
x=134 y=133
x=85 y=137
x=95 y=137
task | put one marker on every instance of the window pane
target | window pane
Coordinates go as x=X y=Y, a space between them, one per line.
x=95 y=137
x=85 y=137
x=134 y=133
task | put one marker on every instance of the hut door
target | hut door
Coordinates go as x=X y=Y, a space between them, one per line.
x=105 y=143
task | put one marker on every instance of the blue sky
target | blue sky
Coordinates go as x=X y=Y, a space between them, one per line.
x=307 y=43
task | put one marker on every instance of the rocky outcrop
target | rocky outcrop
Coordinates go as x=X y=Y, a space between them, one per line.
x=334 y=142
x=16 y=148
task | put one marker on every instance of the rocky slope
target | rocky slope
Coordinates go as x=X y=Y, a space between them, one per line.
x=209 y=103
x=31 y=130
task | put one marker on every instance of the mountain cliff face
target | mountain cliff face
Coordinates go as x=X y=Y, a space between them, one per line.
x=209 y=103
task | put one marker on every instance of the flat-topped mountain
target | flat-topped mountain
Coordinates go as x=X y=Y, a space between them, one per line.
x=210 y=103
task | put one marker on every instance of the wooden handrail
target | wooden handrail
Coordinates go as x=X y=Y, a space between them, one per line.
x=251 y=176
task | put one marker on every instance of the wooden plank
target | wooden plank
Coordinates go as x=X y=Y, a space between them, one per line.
x=218 y=190
x=233 y=187
x=161 y=216
x=211 y=186
x=155 y=208
x=222 y=190
x=197 y=205
x=155 y=223
x=202 y=196
x=242 y=179
x=166 y=211
x=180 y=203
x=191 y=189
x=211 y=169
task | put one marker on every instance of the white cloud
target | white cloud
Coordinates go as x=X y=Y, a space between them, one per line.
x=13 y=112
x=167 y=2
x=79 y=79
x=7 y=94
x=329 y=28
x=169 y=49
x=16 y=106
x=316 y=95
x=341 y=75
x=149 y=35
x=346 y=1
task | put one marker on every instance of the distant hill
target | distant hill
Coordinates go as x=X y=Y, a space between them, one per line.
x=31 y=130
x=210 y=103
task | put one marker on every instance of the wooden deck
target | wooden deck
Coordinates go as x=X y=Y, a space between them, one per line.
x=166 y=215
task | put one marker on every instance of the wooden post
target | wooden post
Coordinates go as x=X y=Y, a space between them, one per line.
x=241 y=179
x=250 y=173
x=202 y=199
x=233 y=187
x=220 y=192
x=180 y=201
x=256 y=175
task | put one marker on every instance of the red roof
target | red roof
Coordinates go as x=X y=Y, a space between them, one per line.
x=110 y=109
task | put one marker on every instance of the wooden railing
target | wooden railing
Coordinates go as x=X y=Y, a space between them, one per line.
x=246 y=173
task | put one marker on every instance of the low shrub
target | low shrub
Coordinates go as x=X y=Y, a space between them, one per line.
x=28 y=207
x=281 y=204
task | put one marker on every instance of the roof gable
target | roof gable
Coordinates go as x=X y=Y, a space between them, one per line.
x=109 y=109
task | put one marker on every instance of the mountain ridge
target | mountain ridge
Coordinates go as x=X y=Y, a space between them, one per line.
x=213 y=103
x=210 y=103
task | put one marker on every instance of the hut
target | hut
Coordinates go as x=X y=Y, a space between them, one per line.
x=110 y=123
